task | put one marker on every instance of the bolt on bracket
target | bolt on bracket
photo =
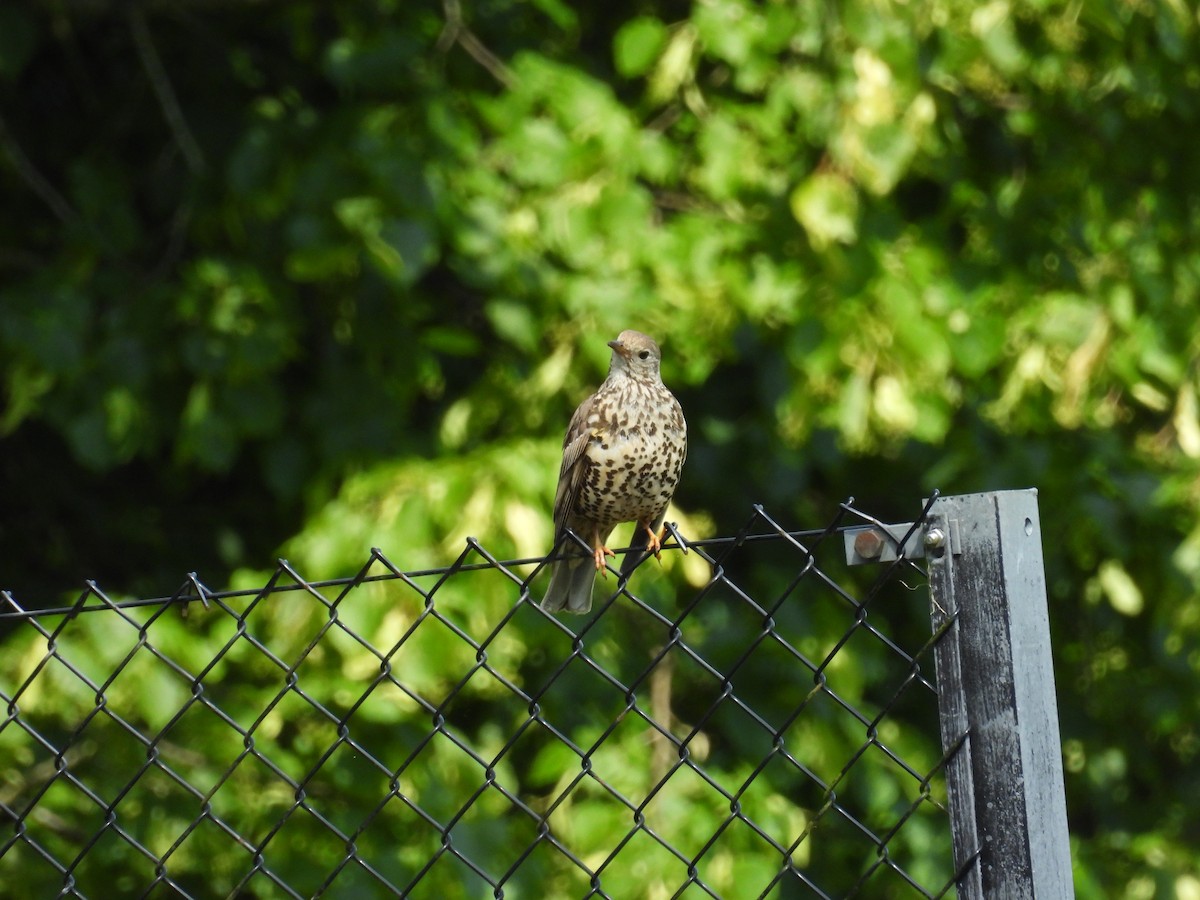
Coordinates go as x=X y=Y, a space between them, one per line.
x=876 y=544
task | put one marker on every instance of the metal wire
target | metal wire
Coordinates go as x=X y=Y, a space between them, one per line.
x=433 y=733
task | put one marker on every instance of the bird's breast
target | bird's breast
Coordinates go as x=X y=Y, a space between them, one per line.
x=631 y=472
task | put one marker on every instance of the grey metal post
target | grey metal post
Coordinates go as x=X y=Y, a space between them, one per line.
x=996 y=696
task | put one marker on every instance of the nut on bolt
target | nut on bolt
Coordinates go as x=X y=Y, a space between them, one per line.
x=868 y=544
x=935 y=539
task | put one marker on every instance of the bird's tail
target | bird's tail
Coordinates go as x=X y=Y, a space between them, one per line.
x=570 y=587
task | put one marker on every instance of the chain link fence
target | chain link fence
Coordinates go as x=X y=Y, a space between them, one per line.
x=763 y=723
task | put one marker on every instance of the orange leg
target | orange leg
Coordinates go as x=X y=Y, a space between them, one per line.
x=599 y=553
x=655 y=543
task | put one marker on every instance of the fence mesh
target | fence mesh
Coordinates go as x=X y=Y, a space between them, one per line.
x=772 y=731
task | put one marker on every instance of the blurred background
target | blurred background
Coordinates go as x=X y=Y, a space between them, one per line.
x=302 y=278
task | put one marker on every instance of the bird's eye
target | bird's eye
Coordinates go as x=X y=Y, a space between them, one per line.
x=645 y=354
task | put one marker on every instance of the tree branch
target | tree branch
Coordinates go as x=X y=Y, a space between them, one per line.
x=167 y=99
x=32 y=177
x=456 y=32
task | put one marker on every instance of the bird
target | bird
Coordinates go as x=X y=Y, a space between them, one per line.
x=622 y=457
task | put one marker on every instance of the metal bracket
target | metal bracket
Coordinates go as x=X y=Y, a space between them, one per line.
x=875 y=544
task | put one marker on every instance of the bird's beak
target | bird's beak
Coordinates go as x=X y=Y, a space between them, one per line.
x=619 y=347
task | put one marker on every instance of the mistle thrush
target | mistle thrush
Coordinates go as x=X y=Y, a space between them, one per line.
x=622 y=457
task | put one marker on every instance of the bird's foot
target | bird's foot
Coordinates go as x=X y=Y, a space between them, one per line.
x=600 y=553
x=654 y=545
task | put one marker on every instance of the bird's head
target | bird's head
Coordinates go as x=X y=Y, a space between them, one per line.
x=635 y=354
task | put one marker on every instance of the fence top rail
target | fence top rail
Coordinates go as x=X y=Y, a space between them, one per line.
x=94 y=599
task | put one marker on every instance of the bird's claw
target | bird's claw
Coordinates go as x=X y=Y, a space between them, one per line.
x=654 y=545
x=599 y=555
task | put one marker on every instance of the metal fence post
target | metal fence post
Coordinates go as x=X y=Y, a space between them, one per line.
x=996 y=696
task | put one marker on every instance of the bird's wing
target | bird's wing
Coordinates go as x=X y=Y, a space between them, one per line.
x=677 y=409
x=570 y=475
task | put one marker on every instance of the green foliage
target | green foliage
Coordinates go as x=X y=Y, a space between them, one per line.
x=885 y=249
